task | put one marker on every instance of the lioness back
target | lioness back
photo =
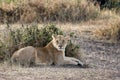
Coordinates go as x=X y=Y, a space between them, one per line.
x=24 y=56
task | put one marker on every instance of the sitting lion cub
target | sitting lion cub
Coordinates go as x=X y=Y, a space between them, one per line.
x=52 y=53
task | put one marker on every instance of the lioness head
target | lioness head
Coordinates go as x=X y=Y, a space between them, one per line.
x=60 y=42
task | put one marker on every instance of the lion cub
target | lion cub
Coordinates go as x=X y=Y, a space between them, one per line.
x=52 y=53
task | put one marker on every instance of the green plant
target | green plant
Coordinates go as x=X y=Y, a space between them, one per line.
x=32 y=36
x=47 y=32
x=27 y=36
x=73 y=50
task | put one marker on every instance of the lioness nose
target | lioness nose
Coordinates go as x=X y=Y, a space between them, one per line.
x=60 y=46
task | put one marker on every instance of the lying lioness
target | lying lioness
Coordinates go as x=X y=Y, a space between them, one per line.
x=52 y=53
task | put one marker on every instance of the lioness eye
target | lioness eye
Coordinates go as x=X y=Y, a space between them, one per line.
x=57 y=41
x=63 y=41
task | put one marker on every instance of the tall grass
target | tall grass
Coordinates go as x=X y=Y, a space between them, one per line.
x=49 y=10
x=110 y=31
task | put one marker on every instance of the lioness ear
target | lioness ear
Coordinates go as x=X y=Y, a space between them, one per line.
x=54 y=36
x=67 y=37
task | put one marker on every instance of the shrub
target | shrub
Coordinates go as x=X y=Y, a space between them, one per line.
x=31 y=36
x=26 y=36
x=110 y=4
x=73 y=50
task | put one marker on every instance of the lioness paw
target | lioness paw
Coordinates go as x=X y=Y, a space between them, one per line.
x=83 y=66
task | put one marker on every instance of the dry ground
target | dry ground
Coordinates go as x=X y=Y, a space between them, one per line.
x=102 y=56
x=57 y=73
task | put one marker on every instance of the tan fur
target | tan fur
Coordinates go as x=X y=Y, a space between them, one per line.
x=24 y=56
x=52 y=53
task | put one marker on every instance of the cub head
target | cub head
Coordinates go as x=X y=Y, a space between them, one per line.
x=60 y=42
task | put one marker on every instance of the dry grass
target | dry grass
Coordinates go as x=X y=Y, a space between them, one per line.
x=109 y=30
x=55 y=73
x=44 y=10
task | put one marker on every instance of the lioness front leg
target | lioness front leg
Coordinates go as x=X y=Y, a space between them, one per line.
x=73 y=61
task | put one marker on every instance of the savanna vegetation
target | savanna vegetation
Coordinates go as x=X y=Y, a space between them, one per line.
x=93 y=27
x=58 y=11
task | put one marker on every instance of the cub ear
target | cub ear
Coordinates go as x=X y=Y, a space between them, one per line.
x=54 y=36
x=67 y=37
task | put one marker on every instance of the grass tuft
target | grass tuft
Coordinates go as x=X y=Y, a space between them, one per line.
x=111 y=32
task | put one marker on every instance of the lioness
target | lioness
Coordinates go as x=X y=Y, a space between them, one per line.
x=52 y=53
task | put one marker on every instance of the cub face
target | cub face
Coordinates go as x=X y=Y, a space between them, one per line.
x=60 y=42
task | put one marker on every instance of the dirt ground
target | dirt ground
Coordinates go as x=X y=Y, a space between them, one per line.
x=102 y=56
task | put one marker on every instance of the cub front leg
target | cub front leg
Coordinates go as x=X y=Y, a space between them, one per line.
x=73 y=61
